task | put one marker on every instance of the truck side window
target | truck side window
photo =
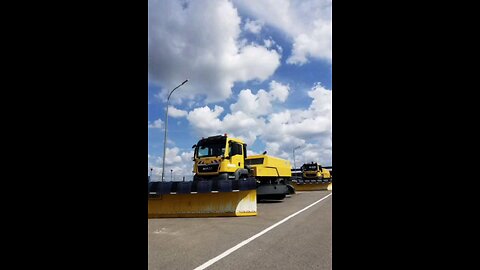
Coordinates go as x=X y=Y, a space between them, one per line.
x=239 y=149
x=235 y=149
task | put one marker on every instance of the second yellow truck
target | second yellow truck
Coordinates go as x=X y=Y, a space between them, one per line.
x=222 y=158
x=314 y=171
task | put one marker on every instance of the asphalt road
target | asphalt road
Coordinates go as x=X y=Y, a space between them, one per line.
x=302 y=242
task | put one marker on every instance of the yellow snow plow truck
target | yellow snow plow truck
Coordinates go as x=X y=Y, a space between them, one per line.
x=314 y=171
x=222 y=159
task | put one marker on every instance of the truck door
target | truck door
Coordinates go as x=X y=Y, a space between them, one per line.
x=236 y=155
x=244 y=147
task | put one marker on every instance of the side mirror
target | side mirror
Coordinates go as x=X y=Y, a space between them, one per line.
x=193 y=158
x=194 y=146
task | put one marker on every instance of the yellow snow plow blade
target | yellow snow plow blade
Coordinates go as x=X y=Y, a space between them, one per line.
x=215 y=204
x=311 y=186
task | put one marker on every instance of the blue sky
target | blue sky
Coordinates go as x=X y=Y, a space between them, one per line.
x=259 y=71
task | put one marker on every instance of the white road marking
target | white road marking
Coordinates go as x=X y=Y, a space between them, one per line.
x=243 y=243
x=164 y=231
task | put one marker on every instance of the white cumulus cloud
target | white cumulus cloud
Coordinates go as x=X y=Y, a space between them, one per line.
x=155 y=124
x=177 y=164
x=200 y=41
x=253 y=26
x=176 y=113
x=261 y=102
x=279 y=91
x=308 y=23
x=309 y=129
x=251 y=118
x=205 y=120
x=246 y=118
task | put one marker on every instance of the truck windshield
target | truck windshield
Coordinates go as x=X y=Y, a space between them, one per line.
x=310 y=167
x=211 y=148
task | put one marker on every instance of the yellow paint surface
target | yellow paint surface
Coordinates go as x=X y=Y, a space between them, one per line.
x=271 y=167
x=222 y=204
x=312 y=186
x=329 y=186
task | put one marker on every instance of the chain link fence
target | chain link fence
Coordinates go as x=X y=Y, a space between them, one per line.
x=171 y=178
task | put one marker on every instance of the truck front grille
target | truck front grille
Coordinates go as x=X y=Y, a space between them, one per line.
x=208 y=168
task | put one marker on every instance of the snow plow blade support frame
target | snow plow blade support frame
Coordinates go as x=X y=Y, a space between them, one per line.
x=234 y=203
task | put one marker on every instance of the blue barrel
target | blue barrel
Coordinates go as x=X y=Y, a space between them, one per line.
x=152 y=186
x=204 y=186
x=236 y=184
x=225 y=186
x=184 y=187
x=163 y=188
x=243 y=185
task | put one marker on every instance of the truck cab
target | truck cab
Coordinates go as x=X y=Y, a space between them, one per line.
x=219 y=158
x=314 y=171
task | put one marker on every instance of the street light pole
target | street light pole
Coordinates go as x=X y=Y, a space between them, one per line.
x=294 y=163
x=166 y=124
